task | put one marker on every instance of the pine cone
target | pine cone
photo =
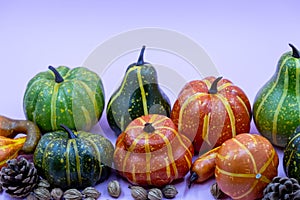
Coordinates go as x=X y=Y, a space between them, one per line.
x=282 y=188
x=19 y=177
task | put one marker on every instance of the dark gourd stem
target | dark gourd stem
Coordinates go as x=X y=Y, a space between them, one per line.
x=141 y=57
x=214 y=86
x=193 y=177
x=71 y=134
x=58 y=77
x=296 y=53
x=149 y=128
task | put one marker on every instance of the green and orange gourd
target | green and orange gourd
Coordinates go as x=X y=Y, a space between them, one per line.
x=276 y=108
x=17 y=136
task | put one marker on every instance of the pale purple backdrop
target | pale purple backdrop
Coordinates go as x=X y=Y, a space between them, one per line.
x=244 y=41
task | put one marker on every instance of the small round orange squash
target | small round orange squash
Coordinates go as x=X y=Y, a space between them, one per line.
x=245 y=165
x=151 y=152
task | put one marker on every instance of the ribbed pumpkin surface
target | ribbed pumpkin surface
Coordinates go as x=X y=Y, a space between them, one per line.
x=291 y=158
x=151 y=152
x=77 y=162
x=77 y=102
x=245 y=165
x=210 y=119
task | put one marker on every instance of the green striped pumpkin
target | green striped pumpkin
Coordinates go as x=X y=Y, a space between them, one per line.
x=73 y=160
x=291 y=156
x=74 y=97
x=276 y=109
x=139 y=94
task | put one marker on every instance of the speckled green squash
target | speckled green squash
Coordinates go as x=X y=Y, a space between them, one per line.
x=291 y=157
x=139 y=94
x=74 y=97
x=276 y=109
x=73 y=160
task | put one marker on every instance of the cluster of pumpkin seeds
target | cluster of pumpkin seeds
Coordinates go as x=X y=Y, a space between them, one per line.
x=140 y=193
x=44 y=192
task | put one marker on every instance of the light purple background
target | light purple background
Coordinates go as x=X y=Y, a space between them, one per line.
x=244 y=40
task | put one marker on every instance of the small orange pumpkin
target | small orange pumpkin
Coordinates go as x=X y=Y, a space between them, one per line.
x=151 y=152
x=245 y=165
x=210 y=111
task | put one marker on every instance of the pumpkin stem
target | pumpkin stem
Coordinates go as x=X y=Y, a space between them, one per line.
x=214 y=86
x=296 y=53
x=141 y=57
x=71 y=134
x=58 y=77
x=193 y=177
x=148 y=128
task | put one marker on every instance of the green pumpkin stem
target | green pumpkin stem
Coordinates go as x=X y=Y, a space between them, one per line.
x=296 y=53
x=193 y=178
x=71 y=134
x=214 y=86
x=149 y=128
x=141 y=57
x=58 y=77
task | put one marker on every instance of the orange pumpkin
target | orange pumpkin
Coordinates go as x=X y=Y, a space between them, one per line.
x=151 y=152
x=210 y=111
x=245 y=165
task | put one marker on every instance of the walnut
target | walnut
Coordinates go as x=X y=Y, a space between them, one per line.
x=72 y=194
x=114 y=188
x=155 y=194
x=91 y=192
x=138 y=193
x=169 y=191
x=56 y=193
x=42 y=193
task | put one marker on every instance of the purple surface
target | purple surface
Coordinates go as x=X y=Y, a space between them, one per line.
x=243 y=40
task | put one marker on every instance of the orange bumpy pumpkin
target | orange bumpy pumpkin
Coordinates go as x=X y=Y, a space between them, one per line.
x=245 y=165
x=151 y=152
x=210 y=111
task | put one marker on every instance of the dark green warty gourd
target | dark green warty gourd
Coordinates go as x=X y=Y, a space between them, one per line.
x=291 y=155
x=70 y=159
x=139 y=94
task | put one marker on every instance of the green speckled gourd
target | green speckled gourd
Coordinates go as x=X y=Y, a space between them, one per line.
x=139 y=94
x=74 y=97
x=276 y=109
x=291 y=155
x=73 y=159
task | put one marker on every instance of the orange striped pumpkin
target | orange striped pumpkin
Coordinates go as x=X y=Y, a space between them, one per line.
x=151 y=152
x=245 y=165
x=210 y=111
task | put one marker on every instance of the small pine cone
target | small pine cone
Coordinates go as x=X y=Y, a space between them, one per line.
x=281 y=188
x=19 y=177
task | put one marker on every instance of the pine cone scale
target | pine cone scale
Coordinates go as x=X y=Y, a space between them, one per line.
x=282 y=188
x=19 y=177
